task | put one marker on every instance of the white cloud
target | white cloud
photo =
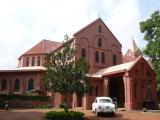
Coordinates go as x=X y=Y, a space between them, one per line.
x=124 y=17
x=25 y=22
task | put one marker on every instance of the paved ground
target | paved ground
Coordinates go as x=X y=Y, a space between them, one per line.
x=37 y=114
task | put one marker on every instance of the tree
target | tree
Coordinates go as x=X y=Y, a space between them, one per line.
x=151 y=30
x=65 y=74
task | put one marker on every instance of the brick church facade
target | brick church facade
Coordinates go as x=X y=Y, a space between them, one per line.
x=129 y=77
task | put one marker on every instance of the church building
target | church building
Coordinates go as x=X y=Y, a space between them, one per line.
x=129 y=77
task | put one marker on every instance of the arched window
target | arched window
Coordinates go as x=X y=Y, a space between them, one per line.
x=103 y=57
x=99 y=29
x=30 y=84
x=33 y=58
x=4 y=85
x=83 y=52
x=16 y=85
x=27 y=61
x=38 y=61
x=97 y=56
x=99 y=42
x=114 y=59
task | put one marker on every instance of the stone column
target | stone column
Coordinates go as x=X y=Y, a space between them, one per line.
x=128 y=92
x=74 y=101
x=87 y=102
x=106 y=86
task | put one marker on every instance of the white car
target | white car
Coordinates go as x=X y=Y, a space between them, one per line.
x=103 y=105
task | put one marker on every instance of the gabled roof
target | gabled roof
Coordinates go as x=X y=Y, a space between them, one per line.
x=88 y=26
x=116 y=69
x=44 y=46
x=98 y=19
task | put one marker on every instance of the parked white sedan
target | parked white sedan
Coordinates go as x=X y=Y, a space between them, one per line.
x=103 y=105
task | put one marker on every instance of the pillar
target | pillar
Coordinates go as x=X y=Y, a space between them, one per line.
x=74 y=101
x=106 y=86
x=87 y=102
x=128 y=92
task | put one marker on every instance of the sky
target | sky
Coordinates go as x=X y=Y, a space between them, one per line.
x=24 y=23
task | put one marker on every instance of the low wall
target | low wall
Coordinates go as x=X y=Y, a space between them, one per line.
x=22 y=101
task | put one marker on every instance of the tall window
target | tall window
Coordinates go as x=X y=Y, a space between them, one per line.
x=97 y=56
x=83 y=54
x=99 y=42
x=103 y=57
x=99 y=28
x=4 y=85
x=30 y=84
x=27 y=62
x=38 y=61
x=16 y=85
x=114 y=59
x=33 y=58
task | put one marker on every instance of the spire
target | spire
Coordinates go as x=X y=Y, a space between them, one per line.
x=133 y=46
x=133 y=50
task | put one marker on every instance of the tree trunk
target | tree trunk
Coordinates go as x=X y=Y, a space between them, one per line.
x=65 y=103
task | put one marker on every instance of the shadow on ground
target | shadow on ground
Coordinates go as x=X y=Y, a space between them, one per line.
x=21 y=115
x=117 y=116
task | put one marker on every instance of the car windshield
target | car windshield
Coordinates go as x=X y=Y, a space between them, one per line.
x=105 y=101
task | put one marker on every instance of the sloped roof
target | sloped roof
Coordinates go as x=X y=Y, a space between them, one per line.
x=43 y=46
x=116 y=69
x=87 y=26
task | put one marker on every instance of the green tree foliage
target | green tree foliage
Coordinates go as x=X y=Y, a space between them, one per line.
x=65 y=74
x=151 y=30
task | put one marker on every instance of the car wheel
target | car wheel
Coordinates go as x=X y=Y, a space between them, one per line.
x=113 y=114
x=92 y=111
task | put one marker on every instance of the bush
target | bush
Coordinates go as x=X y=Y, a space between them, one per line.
x=60 y=115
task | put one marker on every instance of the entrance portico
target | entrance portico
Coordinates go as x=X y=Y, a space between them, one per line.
x=127 y=82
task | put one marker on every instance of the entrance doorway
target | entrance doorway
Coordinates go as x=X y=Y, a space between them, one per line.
x=116 y=90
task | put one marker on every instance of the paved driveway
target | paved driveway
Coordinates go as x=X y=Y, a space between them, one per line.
x=37 y=114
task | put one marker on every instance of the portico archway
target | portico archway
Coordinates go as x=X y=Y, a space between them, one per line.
x=116 y=89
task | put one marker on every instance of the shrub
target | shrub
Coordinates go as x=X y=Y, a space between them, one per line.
x=60 y=115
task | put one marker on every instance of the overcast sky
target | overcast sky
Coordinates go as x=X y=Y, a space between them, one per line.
x=24 y=23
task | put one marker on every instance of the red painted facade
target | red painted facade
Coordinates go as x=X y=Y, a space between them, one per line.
x=131 y=83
